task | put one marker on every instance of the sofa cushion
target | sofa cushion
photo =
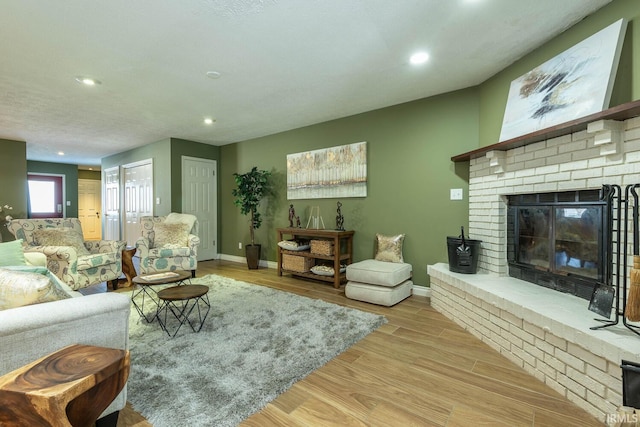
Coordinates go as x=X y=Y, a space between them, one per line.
x=12 y=253
x=170 y=235
x=381 y=295
x=379 y=272
x=62 y=236
x=389 y=248
x=20 y=288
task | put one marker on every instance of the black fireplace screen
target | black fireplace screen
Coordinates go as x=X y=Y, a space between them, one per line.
x=557 y=240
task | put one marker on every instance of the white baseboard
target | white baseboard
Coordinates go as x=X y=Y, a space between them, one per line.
x=241 y=259
x=421 y=291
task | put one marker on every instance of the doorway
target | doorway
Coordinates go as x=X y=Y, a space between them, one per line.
x=138 y=197
x=199 y=198
x=46 y=195
x=111 y=209
x=89 y=208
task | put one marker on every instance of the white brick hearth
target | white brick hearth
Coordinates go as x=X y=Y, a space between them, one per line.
x=543 y=331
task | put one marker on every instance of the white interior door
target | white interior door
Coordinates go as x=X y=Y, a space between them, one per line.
x=89 y=207
x=199 y=198
x=138 y=198
x=111 y=199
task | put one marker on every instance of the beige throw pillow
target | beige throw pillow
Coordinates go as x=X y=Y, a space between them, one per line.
x=63 y=236
x=20 y=288
x=171 y=235
x=180 y=218
x=389 y=248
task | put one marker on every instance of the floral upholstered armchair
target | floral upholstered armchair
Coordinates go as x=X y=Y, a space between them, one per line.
x=77 y=263
x=168 y=243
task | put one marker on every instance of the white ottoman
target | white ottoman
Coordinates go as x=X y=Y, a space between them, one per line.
x=379 y=282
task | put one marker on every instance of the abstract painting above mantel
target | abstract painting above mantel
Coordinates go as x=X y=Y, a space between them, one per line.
x=573 y=84
x=334 y=172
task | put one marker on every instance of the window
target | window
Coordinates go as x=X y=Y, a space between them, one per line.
x=45 y=196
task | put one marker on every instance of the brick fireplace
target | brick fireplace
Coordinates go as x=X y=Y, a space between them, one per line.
x=541 y=330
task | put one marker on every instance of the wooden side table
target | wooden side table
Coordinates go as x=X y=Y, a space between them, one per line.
x=127 y=265
x=70 y=387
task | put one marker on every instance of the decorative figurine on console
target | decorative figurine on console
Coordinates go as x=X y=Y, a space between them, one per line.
x=339 y=218
x=292 y=215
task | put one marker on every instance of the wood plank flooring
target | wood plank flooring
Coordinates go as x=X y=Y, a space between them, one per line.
x=419 y=369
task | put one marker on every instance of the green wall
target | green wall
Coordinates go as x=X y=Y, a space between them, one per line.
x=70 y=173
x=182 y=147
x=13 y=176
x=493 y=92
x=409 y=177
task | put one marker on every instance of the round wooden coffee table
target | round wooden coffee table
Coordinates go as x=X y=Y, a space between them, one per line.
x=145 y=291
x=181 y=301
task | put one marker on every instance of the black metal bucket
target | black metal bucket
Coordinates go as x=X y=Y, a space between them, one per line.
x=463 y=254
x=630 y=384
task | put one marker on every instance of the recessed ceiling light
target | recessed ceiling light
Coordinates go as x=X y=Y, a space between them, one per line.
x=419 y=58
x=213 y=74
x=87 y=81
x=208 y=121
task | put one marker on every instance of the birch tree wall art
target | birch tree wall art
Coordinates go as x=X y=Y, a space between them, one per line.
x=334 y=172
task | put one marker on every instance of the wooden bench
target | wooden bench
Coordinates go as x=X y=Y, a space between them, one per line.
x=70 y=387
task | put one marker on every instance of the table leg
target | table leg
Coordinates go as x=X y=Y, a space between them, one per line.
x=145 y=293
x=182 y=313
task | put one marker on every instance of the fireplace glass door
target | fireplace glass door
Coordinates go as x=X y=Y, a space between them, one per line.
x=558 y=240
x=577 y=242
x=534 y=236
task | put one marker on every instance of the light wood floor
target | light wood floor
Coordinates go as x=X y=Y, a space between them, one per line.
x=419 y=369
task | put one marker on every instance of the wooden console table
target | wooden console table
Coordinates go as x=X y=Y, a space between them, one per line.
x=338 y=257
x=70 y=387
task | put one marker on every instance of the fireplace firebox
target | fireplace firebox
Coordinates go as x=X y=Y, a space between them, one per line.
x=559 y=240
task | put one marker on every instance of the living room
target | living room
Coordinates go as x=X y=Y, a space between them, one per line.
x=409 y=168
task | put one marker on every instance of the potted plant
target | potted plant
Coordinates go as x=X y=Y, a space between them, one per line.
x=251 y=188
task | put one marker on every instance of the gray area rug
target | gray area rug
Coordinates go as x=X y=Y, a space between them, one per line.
x=254 y=345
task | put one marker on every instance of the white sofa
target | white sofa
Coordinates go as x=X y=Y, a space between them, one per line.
x=31 y=332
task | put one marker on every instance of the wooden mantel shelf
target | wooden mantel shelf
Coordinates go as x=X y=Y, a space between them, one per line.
x=620 y=112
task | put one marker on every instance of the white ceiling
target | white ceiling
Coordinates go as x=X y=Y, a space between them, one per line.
x=283 y=64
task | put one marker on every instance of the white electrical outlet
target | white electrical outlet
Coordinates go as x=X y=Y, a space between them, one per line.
x=239 y=245
x=456 y=194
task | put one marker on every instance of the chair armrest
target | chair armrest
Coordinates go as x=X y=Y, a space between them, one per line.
x=105 y=246
x=35 y=259
x=28 y=333
x=143 y=245
x=194 y=242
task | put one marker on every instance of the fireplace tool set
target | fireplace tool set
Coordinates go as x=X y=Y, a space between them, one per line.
x=626 y=293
